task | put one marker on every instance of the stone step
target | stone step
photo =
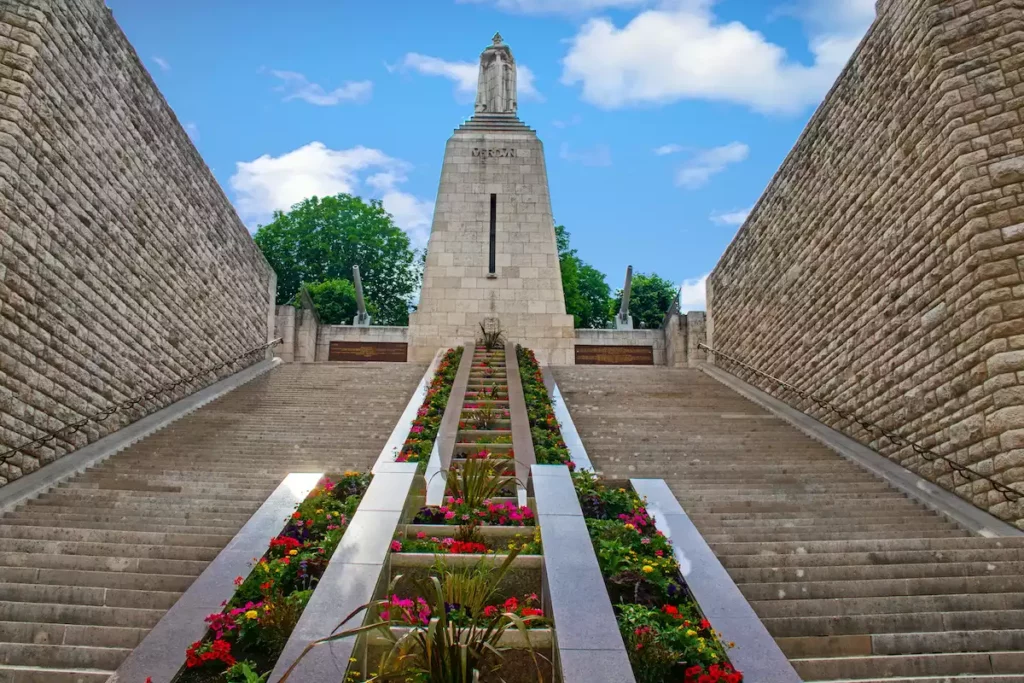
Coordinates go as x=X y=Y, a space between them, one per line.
x=31 y=674
x=64 y=634
x=20 y=545
x=880 y=526
x=861 y=558
x=820 y=534
x=179 y=515
x=805 y=590
x=195 y=539
x=100 y=579
x=904 y=643
x=936 y=664
x=84 y=595
x=85 y=615
x=102 y=563
x=870 y=545
x=62 y=656
x=757 y=575
x=888 y=605
x=858 y=624
x=125 y=524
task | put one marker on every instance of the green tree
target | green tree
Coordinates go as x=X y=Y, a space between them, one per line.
x=587 y=295
x=335 y=301
x=320 y=239
x=649 y=300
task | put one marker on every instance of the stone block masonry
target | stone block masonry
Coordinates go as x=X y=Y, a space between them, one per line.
x=122 y=264
x=881 y=268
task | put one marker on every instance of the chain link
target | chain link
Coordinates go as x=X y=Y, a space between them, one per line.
x=965 y=473
x=130 y=403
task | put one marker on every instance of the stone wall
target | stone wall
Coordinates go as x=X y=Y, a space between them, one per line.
x=652 y=338
x=122 y=264
x=882 y=266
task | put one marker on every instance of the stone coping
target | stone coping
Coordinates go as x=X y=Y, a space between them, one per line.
x=400 y=433
x=589 y=646
x=162 y=652
x=932 y=496
x=522 y=437
x=756 y=654
x=41 y=480
x=570 y=436
x=447 y=433
x=350 y=581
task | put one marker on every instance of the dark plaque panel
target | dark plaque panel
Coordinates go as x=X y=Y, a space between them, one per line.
x=614 y=355
x=392 y=352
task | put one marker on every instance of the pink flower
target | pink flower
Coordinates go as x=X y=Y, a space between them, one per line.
x=396 y=546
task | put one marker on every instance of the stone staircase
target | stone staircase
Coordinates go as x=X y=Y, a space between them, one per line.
x=89 y=567
x=854 y=580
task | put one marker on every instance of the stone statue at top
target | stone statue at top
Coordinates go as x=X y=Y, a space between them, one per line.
x=496 y=84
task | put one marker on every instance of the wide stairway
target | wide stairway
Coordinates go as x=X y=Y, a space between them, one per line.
x=854 y=580
x=88 y=568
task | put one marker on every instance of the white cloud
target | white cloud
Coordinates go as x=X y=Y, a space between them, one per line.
x=268 y=183
x=698 y=170
x=599 y=155
x=681 y=51
x=193 y=131
x=557 y=6
x=692 y=294
x=669 y=149
x=162 y=63
x=465 y=74
x=737 y=217
x=297 y=87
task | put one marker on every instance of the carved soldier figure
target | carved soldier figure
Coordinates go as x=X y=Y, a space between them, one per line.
x=496 y=83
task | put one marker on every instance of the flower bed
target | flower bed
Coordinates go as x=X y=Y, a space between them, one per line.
x=548 y=445
x=455 y=512
x=249 y=634
x=424 y=429
x=439 y=544
x=665 y=634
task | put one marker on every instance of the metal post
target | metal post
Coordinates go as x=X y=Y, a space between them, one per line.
x=362 y=318
x=624 y=321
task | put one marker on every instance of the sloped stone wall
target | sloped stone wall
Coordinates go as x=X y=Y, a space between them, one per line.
x=122 y=264
x=882 y=266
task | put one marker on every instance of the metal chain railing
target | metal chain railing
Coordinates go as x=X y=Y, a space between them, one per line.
x=1009 y=493
x=67 y=430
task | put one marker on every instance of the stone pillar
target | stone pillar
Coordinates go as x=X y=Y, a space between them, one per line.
x=285 y=329
x=696 y=330
x=271 y=313
x=675 y=341
x=307 y=329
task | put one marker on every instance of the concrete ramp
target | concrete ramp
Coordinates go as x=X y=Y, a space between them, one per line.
x=89 y=567
x=854 y=580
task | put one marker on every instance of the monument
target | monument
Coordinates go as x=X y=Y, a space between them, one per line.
x=492 y=252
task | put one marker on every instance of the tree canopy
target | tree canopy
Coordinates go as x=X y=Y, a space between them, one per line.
x=320 y=239
x=335 y=301
x=587 y=295
x=649 y=300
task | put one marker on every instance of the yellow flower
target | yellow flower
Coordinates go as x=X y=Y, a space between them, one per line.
x=293 y=552
x=320 y=512
x=691 y=633
x=251 y=614
x=648 y=569
x=630 y=527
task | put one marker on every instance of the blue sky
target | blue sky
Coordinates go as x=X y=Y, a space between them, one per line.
x=662 y=120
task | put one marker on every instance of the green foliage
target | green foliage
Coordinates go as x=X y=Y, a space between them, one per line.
x=548 y=445
x=587 y=295
x=492 y=341
x=244 y=672
x=321 y=239
x=477 y=481
x=649 y=300
x=335 y=301
x=424 y=429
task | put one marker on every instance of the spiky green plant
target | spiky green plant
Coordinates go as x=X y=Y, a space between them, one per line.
x=492 y=340
x=477 y=480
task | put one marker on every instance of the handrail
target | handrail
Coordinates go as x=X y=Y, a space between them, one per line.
x=1009 y=493
x=69 y=429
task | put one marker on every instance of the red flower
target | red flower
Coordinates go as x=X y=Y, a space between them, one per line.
x=705 y=624
x=296 y=515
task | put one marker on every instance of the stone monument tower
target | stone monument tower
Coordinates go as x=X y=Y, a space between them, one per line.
x=492 y=256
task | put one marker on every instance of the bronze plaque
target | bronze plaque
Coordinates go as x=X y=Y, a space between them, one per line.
x=390 y=352
x=614 y=355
